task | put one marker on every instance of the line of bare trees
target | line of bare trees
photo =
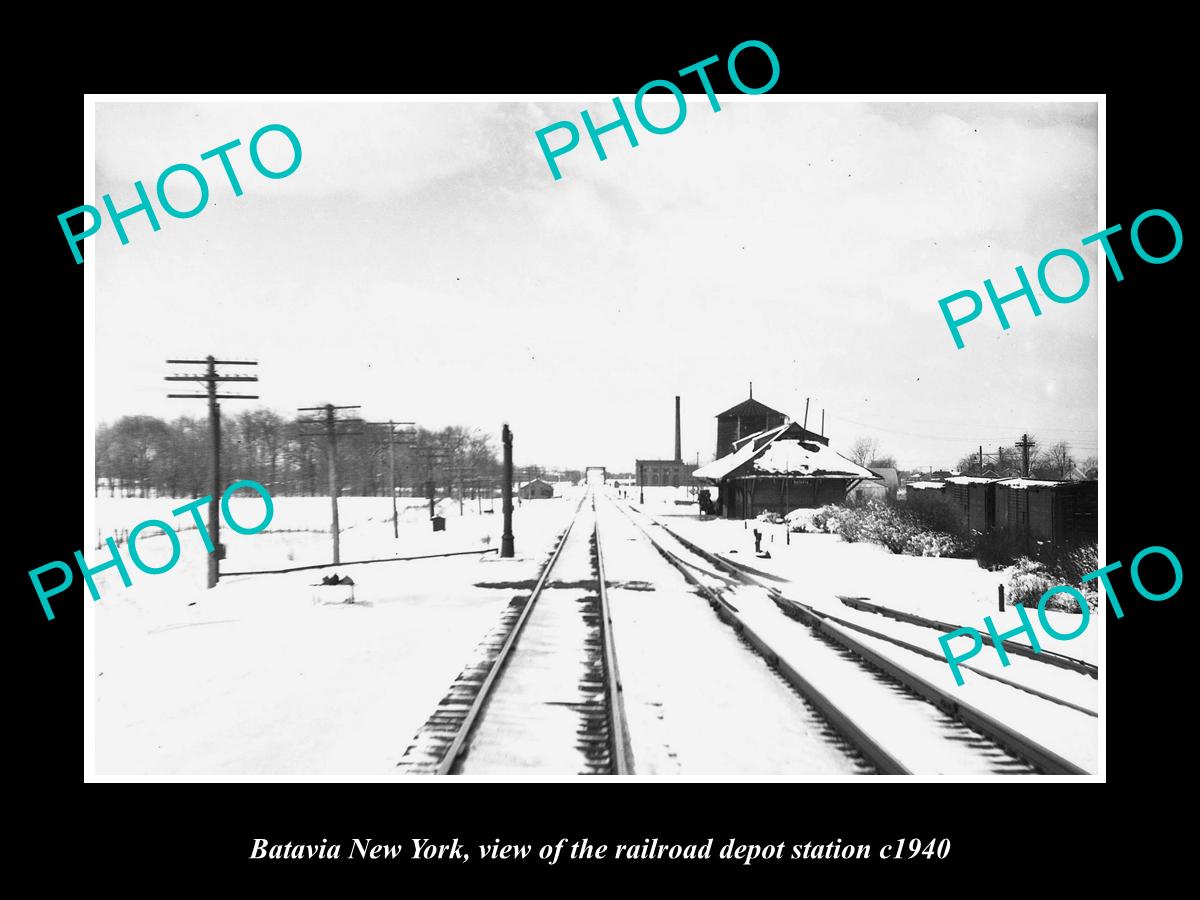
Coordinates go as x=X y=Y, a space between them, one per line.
x=1055 y=462
x=146 y=456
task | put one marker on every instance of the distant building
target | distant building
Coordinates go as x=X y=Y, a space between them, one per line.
x=536 y=490
x=667 y=472
x=748 y=417
x=887 y=486
x=664 y=472
x=781 y=469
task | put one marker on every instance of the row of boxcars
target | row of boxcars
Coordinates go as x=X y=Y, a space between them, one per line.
x=1058 y=512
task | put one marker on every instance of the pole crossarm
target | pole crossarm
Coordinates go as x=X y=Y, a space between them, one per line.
x=207 y=378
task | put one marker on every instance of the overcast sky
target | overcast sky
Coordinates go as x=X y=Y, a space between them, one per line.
x=423 y=262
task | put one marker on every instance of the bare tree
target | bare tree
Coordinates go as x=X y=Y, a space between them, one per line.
x=146 y=455
x=969 y=465
x=864 y=449
x=1052 y=463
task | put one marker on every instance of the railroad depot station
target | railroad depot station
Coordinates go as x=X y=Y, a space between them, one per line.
x=776 y=469
x=764 y=463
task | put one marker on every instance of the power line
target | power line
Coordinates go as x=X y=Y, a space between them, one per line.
x=988 y=438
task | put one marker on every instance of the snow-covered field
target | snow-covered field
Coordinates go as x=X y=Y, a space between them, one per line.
x=268 y=674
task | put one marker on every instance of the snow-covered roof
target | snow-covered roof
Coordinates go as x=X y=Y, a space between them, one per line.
x=740 y=442
x=968 y=479
x=1021 y=484
x=719 y=468
x=926 y=485
x=785 y=451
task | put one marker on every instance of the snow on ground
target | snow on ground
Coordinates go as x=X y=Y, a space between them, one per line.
x=365 y=528
x=268 y=674
x=823 y=566
x=817 y=567
x=698 y=701
x=910 y=729
x=538 y=711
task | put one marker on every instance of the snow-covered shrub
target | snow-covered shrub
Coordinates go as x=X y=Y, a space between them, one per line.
x=821 y=518
x=812 y=520
x=800 y=521
x=941 y=514
x=888 y=526
x=875 y=521
x=851 y=524
x=900 y=530
x=937 y=543
x=1030 y=579
x=1075 y=562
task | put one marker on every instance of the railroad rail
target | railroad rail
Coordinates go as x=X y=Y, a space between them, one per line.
x=1049 y=657
x=1022 y=749
x=442 y=746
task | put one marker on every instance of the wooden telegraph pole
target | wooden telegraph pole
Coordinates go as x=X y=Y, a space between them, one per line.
x=1026 y=445
x=210 y=378
x=328 y=428
x=392 y=442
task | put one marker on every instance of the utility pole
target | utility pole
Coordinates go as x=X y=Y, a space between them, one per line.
x=435 y=458
x=391 y=430
x=1026 y=445
x=506 y=539
x=981 y=459
x=460 y=471
x=822 y=430
x=210 y=378
x=806 y=399
x=328 y=428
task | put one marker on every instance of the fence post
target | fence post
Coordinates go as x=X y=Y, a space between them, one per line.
x=1000 y=588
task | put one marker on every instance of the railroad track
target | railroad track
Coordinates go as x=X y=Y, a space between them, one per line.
x=796 y=609
x=866 y=696
x=542 y=692
x=1046 y=657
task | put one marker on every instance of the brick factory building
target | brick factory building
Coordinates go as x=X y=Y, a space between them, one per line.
x=667 y=472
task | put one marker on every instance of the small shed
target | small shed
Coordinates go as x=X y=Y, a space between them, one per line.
x=536 y=490
x=888 y=486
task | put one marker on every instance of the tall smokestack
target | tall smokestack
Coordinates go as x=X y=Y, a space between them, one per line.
x=678 y=436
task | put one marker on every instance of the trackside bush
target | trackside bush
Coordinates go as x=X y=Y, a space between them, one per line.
x=900 y=530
